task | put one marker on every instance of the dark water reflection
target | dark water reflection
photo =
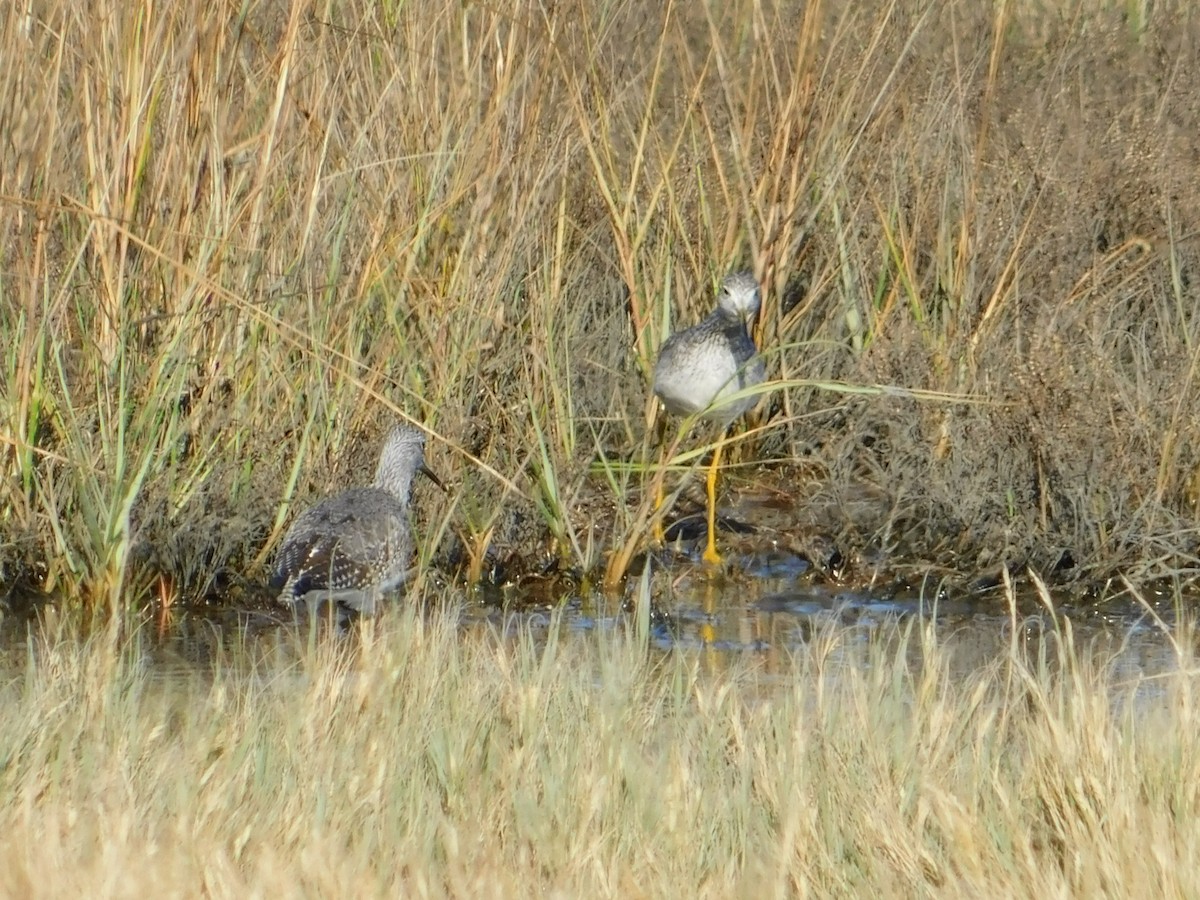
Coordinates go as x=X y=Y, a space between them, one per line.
x=771 y=609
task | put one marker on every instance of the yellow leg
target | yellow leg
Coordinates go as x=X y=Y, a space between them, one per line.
x=708 y=634
x=711 y=556
x=656 y=518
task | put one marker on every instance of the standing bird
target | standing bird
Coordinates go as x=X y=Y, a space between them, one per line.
x=700 y=368
x=355 y=546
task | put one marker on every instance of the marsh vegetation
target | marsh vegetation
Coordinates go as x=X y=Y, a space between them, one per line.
x=236 y=247
x=238 y=242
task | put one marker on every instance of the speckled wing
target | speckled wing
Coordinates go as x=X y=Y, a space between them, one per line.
x=678 y=380
x=358 y=540
x=704 y=364
x=744 y=368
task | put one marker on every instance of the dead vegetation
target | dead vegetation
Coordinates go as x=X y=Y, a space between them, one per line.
x=234 y=246
x=425 y=759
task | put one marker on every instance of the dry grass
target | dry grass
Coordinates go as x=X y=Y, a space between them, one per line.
x=230 y=230
x=237 y=240
x=415 y=760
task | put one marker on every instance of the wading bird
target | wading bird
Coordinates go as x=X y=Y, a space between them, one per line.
x=355 y=546
x=700 y=368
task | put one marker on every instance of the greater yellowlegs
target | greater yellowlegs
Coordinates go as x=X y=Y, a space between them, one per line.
x=700 y=368
x=354 y=547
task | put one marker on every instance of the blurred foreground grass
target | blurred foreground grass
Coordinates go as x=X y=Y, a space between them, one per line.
x=414 y=760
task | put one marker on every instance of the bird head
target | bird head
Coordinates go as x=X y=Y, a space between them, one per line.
x=740 y=296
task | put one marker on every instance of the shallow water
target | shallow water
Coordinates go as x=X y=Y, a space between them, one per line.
x=770 y=611
x=773 y=607
x=768 y=605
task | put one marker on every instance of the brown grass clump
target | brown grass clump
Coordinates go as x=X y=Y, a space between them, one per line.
x=422 y=761
x=235 y=243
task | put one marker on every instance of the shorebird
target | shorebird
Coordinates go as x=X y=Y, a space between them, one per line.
x=355 y=546
x=699 y=369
